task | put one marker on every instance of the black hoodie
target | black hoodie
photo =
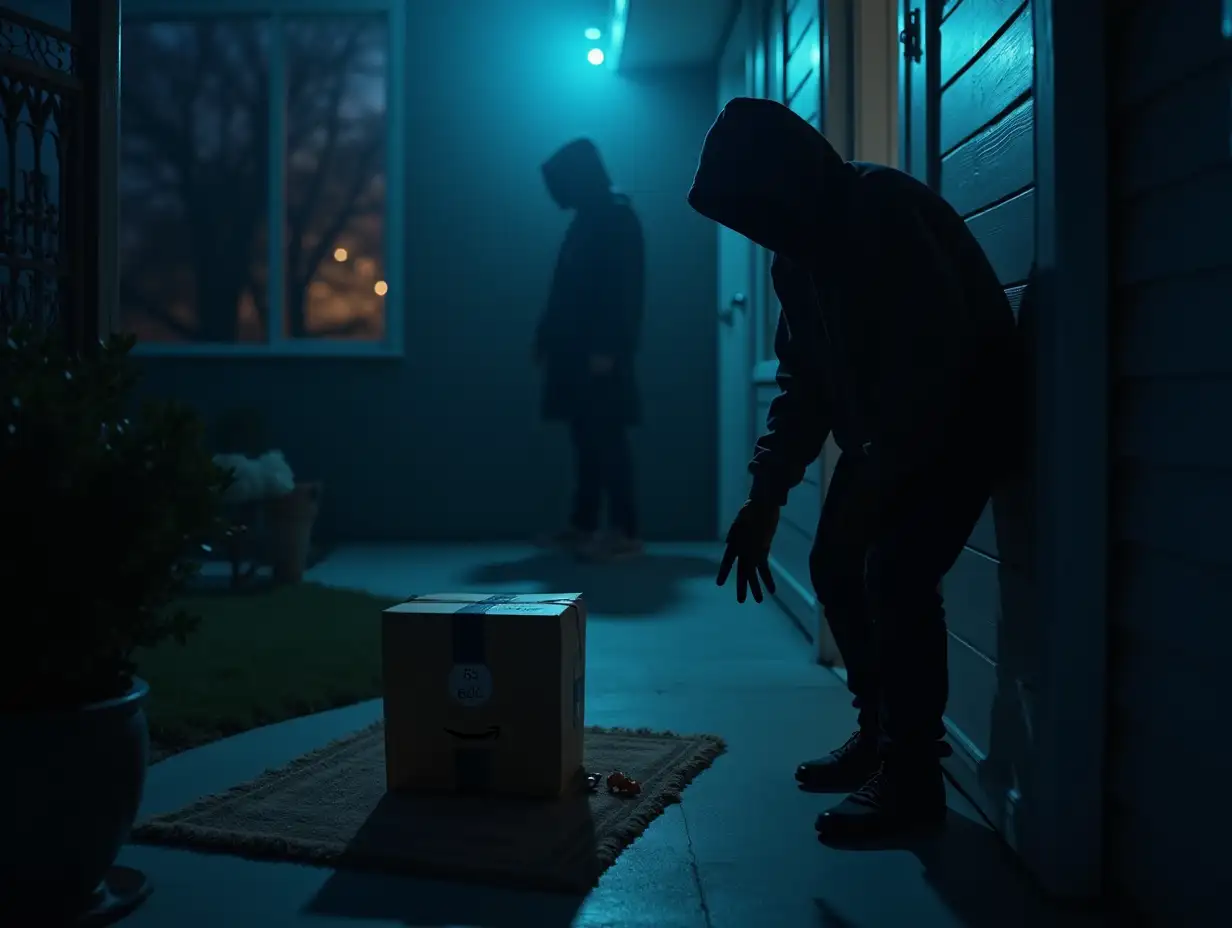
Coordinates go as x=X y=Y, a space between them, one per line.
x=575 y=175
x=596 y=301
x=895 y=332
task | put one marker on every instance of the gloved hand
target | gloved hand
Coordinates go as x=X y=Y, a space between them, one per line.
x=748 y=549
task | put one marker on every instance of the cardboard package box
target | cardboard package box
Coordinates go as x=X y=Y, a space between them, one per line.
x=485 y=693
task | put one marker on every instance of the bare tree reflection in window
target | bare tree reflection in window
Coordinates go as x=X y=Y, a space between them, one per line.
x=195 y=180
x=336 y=134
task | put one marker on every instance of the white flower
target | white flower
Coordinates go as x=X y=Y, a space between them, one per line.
x=256 y=478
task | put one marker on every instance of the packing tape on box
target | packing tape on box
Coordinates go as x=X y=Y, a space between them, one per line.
x=473 y=765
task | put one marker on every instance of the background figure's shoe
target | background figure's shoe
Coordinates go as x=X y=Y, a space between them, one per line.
x=571 y=539
x=900 y=800
x=846 y=768
x=607 y=548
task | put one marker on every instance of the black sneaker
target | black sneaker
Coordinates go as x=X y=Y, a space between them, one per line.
x=901 y=799
x=844 y=769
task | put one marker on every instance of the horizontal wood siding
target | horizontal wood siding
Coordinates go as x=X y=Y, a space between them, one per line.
x=1171 y=503
x=994 y=81
x=802 y=51
x=996 y=165
x=987 y=142
x=969 y=31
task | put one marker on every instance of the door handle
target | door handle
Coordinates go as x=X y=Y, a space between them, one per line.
x=738 y=302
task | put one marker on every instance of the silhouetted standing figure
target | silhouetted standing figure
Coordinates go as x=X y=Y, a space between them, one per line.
x=895 y=335
x=586 y=341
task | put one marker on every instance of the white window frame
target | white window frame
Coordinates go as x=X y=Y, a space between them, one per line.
x=392 y=345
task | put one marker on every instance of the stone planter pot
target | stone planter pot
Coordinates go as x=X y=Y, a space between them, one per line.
x=289 y=522
x=70 y=787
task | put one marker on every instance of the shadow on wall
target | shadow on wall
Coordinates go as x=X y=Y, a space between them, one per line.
x=971 y=867
x=968 y=864
x=646 y=587
x=1008 y=768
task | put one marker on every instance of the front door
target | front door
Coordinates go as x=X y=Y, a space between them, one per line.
x=734 y=315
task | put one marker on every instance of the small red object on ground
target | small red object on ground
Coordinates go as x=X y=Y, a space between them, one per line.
x=622 y=785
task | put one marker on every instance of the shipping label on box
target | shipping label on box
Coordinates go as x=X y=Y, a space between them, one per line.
x=485 y=692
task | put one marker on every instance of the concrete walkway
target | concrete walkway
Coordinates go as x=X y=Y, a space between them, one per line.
x=666 y=649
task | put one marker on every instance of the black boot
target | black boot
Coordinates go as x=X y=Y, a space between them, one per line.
x=903 y=797
x=844 y=769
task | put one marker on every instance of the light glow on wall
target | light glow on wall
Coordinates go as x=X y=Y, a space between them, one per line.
x=616 y=32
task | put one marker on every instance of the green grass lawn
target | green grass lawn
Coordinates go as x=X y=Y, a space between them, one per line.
x=260 y=657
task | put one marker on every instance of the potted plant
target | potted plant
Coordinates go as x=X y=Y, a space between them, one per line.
x=292 y=516
x=103 y=513
x=264 y=496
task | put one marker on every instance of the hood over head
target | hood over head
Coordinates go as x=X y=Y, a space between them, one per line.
x=575 y=175
x=766 y=173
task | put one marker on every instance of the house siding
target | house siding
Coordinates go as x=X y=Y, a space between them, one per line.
x=1171 y=490
x=983 y=162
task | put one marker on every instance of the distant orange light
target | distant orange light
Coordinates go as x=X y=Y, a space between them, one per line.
x=380 y=288
x=340 y=254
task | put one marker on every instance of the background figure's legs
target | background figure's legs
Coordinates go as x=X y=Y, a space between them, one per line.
x=617 y=468
x=588 y=454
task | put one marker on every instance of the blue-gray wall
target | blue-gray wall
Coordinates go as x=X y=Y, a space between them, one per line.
x=1171 y=501
x=445 y=443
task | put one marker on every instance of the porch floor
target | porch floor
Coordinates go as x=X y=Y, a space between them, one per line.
x=666 y=649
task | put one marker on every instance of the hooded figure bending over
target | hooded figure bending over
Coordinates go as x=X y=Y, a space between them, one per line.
x=586 y=341
x=896 y=337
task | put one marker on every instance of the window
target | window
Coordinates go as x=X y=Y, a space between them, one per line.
x=260 y=176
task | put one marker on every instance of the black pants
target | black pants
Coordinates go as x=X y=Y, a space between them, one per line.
x=878 y=584
x=604 y=468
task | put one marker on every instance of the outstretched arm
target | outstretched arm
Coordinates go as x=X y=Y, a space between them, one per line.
x=796 y=426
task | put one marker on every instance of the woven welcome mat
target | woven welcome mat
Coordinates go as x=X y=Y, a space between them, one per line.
x=330 y=808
